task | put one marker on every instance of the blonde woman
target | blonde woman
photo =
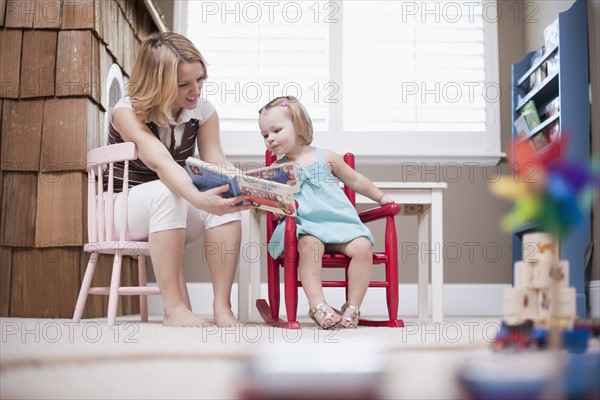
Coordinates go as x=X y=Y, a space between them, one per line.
x=167 y=120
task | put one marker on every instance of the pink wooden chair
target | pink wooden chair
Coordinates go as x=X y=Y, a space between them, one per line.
x=100 y=234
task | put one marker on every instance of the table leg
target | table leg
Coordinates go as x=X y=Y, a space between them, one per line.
x=244 y=269
x=437 y=262
x=249 y=266
x=258 y=261
x=423 y=243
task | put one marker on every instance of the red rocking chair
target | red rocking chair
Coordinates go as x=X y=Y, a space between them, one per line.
x=289 y=261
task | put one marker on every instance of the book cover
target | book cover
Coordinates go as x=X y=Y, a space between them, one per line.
x=539 y=140
x=286 y=173
x=269 y=188
x=530 y=114
x=207 y=176
x=521 y=128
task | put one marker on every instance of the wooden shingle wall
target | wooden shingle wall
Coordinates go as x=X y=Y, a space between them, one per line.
x=55 y=55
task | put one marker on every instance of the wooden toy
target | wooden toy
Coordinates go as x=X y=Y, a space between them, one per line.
x=540 y=247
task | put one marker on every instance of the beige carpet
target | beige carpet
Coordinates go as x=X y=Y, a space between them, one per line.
x=46 y=358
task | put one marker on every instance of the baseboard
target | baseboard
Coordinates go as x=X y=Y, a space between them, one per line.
x=464 y=300
x=593 y=288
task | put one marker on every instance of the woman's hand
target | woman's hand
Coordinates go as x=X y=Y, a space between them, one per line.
x=213 y=202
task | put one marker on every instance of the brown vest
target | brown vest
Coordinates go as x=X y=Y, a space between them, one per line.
x=138 y=171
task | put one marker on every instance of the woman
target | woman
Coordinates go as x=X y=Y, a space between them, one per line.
x=166 y=119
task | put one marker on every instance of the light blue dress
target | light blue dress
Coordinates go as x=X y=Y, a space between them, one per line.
x=324 y=211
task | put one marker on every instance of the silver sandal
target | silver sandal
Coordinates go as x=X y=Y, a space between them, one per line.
x=354 y=315
x=327 y=316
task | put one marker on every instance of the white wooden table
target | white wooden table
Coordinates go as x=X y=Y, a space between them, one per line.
x=423 y=199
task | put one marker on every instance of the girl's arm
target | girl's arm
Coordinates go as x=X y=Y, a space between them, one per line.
x=354 y=180
x=156 y=156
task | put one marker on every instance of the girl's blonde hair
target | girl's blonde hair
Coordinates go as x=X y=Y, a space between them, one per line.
x=153 y=83
x=297 y=113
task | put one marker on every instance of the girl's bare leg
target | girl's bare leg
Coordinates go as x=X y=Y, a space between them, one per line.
x=222 y=250
x=359 y=270
x=310 y=250
x=166 y=251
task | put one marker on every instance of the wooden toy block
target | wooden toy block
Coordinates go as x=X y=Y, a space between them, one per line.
x=522 y=303
x=557 y=323
x=524 y=275
x=540 y=248
x=546 y=276
x=557 y=303
x=512 y=319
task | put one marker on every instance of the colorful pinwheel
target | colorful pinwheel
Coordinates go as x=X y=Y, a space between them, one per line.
x=548 y=190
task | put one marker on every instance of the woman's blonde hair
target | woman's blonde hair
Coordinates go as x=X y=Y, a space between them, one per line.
x=297 y=113
x=153 y=83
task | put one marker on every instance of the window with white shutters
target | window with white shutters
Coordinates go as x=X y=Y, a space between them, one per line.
x=403 y=80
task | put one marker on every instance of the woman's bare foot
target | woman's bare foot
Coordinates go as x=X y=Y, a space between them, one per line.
x=224 y=318
x=182 y=317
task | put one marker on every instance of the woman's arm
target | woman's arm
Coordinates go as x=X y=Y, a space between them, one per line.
x=209 y=140
x=156 y=156
x=353 y=179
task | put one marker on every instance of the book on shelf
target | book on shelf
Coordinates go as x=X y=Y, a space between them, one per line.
x=530 y=114
x=521 y=128
x=552 y=108
x=269 y=188
x=539 y=140
x=540 y=73
x=552 y=131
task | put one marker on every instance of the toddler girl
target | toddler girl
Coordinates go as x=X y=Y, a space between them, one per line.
x=326 y=219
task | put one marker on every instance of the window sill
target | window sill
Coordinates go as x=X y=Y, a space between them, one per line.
x=471 y=160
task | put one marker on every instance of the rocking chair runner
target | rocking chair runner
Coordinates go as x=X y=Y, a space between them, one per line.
x=289 y=261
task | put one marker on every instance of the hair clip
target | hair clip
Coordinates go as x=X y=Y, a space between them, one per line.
x=284 y=103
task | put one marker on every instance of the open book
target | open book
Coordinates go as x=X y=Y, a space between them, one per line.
x=269 y=188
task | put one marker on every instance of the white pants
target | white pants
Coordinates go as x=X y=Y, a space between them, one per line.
x=153 y=207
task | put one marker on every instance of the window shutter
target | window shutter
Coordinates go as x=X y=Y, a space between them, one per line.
x=413 y=66
x=257 y=51
x=419 y=78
